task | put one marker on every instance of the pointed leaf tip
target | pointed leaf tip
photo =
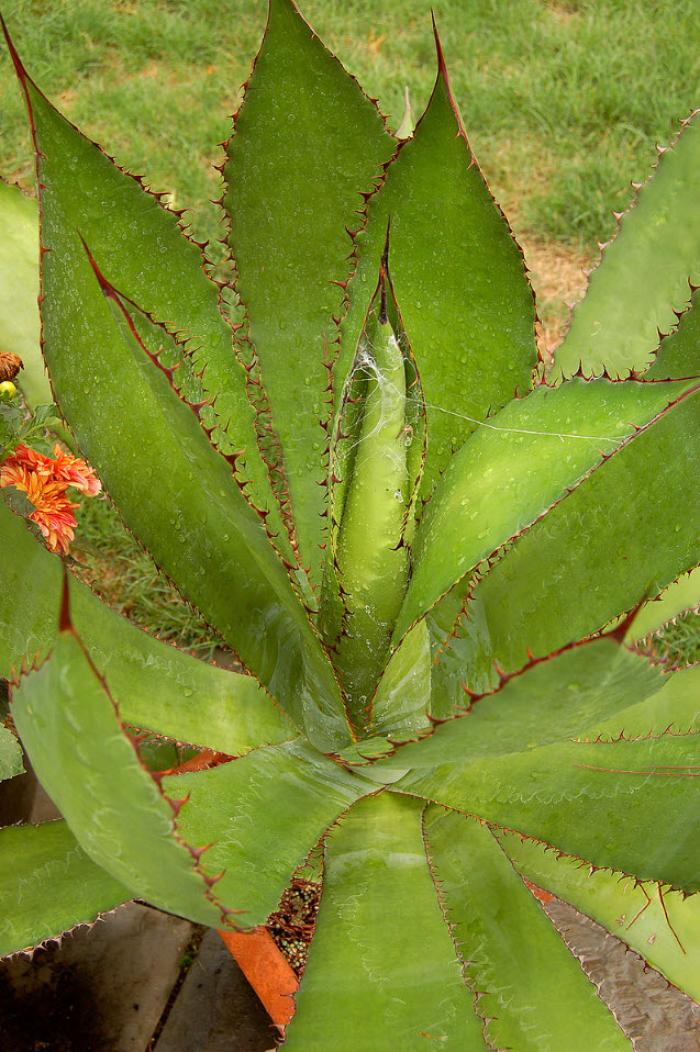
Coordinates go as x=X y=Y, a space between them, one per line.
x=440 y=54
x=619 y=632
x=14 y=54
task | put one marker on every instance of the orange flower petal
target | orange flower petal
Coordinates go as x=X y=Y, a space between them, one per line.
x=75 y=472
x=45 y=482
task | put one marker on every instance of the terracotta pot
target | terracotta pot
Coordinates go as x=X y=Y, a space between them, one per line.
x=256 y=952
x=266 y=969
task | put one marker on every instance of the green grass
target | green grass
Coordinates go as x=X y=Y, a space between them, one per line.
x=679 y=643
x=106 y=556
x=563 y=101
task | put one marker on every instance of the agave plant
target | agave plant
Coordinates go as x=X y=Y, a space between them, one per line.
x=431 y=555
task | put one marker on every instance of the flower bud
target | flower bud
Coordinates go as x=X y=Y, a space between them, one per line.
x=8 y=391
x=10 y=365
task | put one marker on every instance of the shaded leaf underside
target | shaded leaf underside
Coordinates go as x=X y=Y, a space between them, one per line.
x=10 y=754
x=679 y=353
x=680 y=596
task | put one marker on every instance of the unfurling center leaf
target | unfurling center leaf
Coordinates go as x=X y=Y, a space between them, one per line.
x=376 y=461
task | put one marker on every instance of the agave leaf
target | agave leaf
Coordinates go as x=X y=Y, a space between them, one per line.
x=673 y=708
x=511 y=472
x=302 y=114
x=72 y=731
x=403 y=698
x=459 y=640
x=679 y=353
x=167 y=350
x=663 y=927
x=643 y=275
x=299 y=792
x=379 y=453
x=458 y=275
x=156 y=686
x=680 y=596
x=623 y=536
x=10 y=754
x=362 y=752
x=554 y=700
x=626 y=805
x=511 y=949
x=544 y=771
x=196 y=517
x=143 y=250
x=19 y=289
x=48 y=885
x=382 y=968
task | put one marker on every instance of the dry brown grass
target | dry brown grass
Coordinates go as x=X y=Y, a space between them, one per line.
x=559 y=277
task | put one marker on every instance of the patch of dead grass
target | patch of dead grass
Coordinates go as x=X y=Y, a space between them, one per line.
x=559 y=277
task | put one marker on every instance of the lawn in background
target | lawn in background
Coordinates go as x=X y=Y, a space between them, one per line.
x=564 y=103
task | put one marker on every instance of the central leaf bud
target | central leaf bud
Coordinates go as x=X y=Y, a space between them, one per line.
x=376 y=461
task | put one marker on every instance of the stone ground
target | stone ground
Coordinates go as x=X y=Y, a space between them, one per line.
x=655 y=1016
x=138 y=981
x=142 y=981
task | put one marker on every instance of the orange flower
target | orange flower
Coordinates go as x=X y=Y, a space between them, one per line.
x=29 y=461
x=75 y=472
x=45 y=481
x=57 y=523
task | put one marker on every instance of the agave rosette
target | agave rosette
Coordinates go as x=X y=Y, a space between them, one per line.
x=427 y=550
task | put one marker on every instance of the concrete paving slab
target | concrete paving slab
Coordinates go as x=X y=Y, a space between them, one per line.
x=22 y=799
x=103 y=989
x=216 y=1010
